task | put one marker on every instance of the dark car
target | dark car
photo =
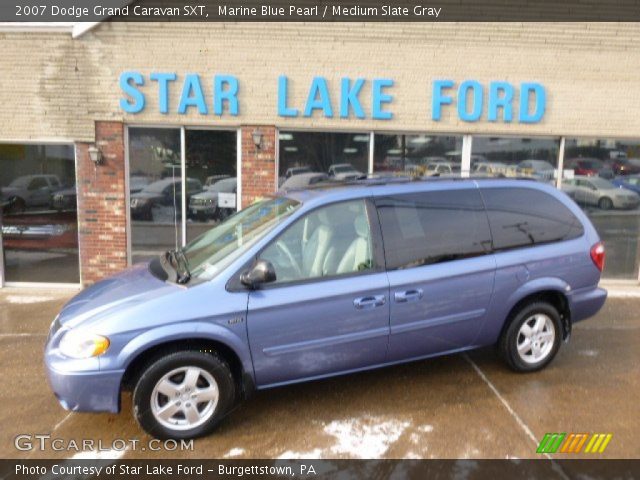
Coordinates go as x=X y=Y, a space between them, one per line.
x=622 y=166
x=163 y=193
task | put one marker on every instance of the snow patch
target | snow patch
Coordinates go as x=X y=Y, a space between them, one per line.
x=109 y=454
x=234 y=452
x=25 y=299
x=425 y=428
x=367 y=437
x=588 y=353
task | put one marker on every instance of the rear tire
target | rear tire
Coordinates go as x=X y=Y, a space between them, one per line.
x=533 y=337
x=183 y=395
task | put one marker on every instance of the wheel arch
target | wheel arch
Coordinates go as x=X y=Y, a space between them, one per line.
x=142 y=351
x=552 y=294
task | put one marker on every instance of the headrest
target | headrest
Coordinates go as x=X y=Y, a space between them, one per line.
x=361 y=225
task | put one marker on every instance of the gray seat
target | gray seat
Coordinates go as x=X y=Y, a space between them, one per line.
x=315 y=250
x=358 y=254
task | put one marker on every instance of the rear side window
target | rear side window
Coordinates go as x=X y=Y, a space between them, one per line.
x=522 y=217
x=432 y=227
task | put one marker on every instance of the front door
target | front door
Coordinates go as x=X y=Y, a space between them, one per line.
x=437 y=246
x=328 y=310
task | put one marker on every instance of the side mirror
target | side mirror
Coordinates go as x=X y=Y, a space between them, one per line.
x=261 y=272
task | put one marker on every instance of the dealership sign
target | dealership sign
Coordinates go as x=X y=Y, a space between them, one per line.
x=219 y=96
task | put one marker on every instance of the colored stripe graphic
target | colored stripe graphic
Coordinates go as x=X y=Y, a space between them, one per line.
x=573 y=442
x=598 y=443
x=550 y=442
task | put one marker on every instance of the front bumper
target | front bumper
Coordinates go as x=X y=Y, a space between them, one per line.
x=90 y=391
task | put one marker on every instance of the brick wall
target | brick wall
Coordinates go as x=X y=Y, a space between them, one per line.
x=258 y=165
x=101 y=205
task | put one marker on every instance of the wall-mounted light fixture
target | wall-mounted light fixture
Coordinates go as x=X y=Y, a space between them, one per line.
x=257 y=139
x=95 y=155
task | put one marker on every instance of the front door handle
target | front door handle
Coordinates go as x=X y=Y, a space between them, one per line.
x=408 y=295
x=366 y=303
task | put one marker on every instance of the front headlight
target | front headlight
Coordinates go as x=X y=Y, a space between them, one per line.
x=80 y=344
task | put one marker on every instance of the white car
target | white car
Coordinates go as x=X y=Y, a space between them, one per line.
x=344 y=171
x=599 y=192
x=442 y=169
x=491 y=169
x=30 y=191
x=538 y=169
x=303 y=180
x=206 y=204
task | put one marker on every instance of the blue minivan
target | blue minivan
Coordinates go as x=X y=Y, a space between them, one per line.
x=327 y=281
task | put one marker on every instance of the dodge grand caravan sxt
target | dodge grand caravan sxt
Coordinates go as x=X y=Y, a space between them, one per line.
x=329 y=281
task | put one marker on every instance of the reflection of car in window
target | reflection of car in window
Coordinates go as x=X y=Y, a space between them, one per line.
x=303 y=180
x=344 y=171
x=206 y=205
x=630 y=182
x=166 y=192
x=598 y=192
x=29 y=191
x=538 y=169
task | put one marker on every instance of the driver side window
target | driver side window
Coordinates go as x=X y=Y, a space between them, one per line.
x=329 y=241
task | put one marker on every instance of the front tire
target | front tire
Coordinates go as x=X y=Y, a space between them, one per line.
x=184 y=394
x=605 y=203
x=533 y=337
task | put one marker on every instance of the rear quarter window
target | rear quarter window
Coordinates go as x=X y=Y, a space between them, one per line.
x=521 y=217
x=433 y=227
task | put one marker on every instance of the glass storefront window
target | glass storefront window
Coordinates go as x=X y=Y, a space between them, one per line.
x=39 y=221
x=603 y=177
x=211 y=163
x=155 y=191
x=341 y=156
x=534 y=157
x=417 y=155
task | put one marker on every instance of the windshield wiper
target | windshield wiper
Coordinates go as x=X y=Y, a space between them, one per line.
x=178 y=259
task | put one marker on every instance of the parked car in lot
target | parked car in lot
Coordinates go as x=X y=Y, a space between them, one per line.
x=623 y=166
x=321 y=282
x=161 y=193
x=490 y=169
x=205 y=205
x=304 y=180
x=344 y=171
x=589 y=167
x=630 y=182
x=539 y=169
x=598 y=192
x=29 y=191
x=442 y=168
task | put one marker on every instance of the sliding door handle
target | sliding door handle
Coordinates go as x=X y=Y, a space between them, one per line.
x=408 y=295
x=366 y=303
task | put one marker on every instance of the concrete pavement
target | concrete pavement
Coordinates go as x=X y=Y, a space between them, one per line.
x=462 y=406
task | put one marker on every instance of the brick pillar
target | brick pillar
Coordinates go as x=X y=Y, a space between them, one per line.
x=102 y=205
x=258 y=165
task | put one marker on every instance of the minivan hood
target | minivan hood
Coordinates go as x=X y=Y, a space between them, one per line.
x=124 y=290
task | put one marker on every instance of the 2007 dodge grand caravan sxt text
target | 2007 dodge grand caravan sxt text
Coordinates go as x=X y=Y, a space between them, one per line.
x=328 y=281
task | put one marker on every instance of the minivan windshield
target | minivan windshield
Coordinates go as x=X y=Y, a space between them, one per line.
x=214 y=250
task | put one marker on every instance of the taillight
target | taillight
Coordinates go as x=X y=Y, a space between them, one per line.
x=597 y=255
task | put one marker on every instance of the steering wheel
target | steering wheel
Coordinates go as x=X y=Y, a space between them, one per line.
x=280 y=245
